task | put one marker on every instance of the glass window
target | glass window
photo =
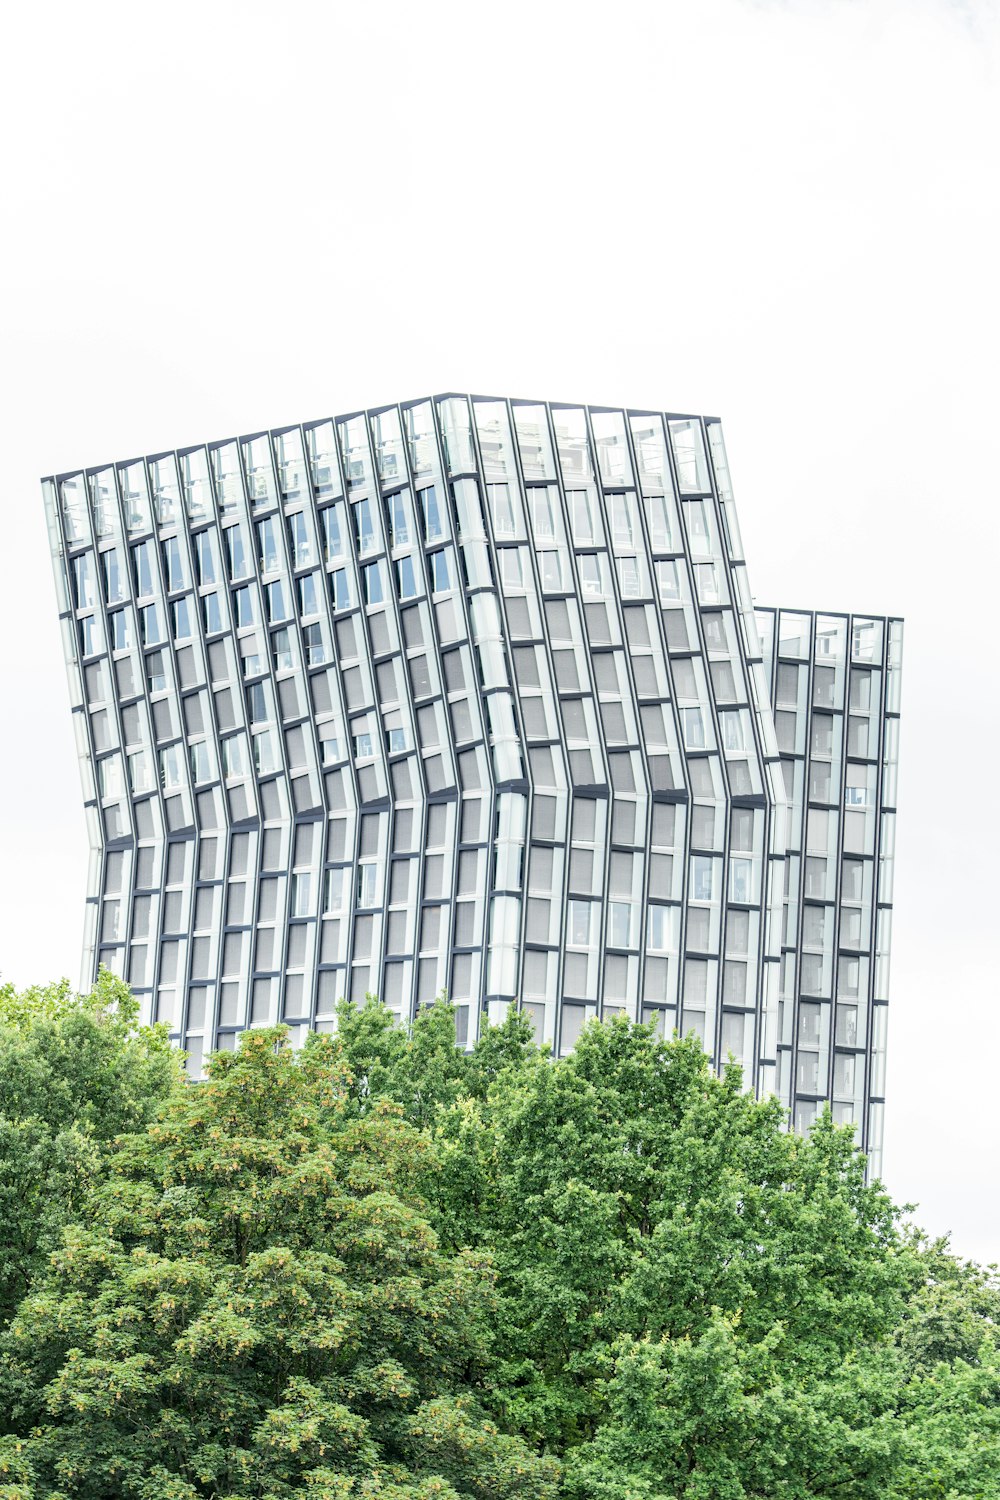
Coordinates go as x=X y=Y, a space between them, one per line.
x=308 y=595
x=120 y=627
x=581 y=516
x=171 y=772
x=156 y=675
x=367 y=885
x=183 y=623
x=212 y=613
x=315 y=646
x=267 y=546
x=206 y=558
x=364 y=527
x=142 y=564
x=741 y=880
x=398 y=513
x=114 y=578
x=175 y=564
x=552 y=571
x=281 y=647
x=694 y=728
x=340 y=589
x=277 y=602
x=299 y=541
x=333 y=535
x=201 y=765
x=234 y=763
x=431 y=507
x=581 y=923
x=620 y=923
x=441 y=571
x=236 y=549
x=265 y=755
x=406 y=578
x=689 y=455
x=301 y=903
x=668 y=579
x=88 y=636
x=788 y=684
x=152 y=626
x=824 y=686
x=702 y=878
x=374 y=587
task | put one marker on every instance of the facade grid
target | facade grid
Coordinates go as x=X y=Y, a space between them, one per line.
x=471 y=695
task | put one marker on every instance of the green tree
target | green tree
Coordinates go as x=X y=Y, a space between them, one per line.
x=75 y=1072
x=255 y=1305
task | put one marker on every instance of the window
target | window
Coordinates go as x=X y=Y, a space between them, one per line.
x=542 y=515
x=511 y=568
x=787 y=692
x=299 y=541
x=88 y=636
x=364 y=527
x=441 y=573
x=308 y=595
x=156 y=675
x=694 y=728
x=824 y=686
x=281 y=649
x=174 y=564
x=201 y=765
x=581 y=516
x=367 y=885
x=406 y=578
x=741 y=880
x=243 y=604
x=551 y=565
x=140 y=772
x=580 y=925
x=277 y=602
x=211 y=613
x=114 y=578
x=267 y=546
x=312 y=639
x=668 y=580
x=340 y=589
x=234 y=765
x=620 y=922
x=171 y=775
x=333 y=537
x=236 y=548
x=152 y=626
x=702 y=878
x=501 y=510
x=430 y=505
x=205 y=558
x=142 y=563
x=301 y=903
x=398 y=513
x=257 y=704
x=265 y=757
x=120 y=627
x=629 y=577
x=372 y=579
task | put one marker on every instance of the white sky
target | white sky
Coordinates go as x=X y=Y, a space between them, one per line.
x=221 y=217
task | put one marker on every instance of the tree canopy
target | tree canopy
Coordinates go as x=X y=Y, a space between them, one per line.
x=381 y=1268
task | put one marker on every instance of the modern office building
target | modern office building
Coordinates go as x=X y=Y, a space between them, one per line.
x=471 y=695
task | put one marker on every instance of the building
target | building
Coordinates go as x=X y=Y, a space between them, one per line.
x=471 y=695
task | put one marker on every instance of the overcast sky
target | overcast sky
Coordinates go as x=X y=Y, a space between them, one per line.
x=222 y=217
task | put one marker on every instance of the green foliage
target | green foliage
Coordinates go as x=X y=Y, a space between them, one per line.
x=256 y=1305
x=75 y=1072
x=384 y=1269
